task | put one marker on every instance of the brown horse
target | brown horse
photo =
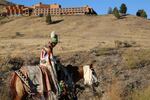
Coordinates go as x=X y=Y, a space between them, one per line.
x=85 y=72
x=18 y=89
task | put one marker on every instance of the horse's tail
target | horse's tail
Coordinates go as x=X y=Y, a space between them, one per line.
x=12 y=85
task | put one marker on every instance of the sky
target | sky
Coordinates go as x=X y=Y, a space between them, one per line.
x=100 y=6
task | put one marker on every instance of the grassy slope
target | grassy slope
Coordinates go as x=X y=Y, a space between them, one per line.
x=76 y=33
x=142 y=95
x=7 y=2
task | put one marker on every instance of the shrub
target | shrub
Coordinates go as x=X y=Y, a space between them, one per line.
x=141 y=13
x=110 y=10
x=48 y=19
x=18 y=34
x=124 y=44
x=1 y=17
x=40 y=15
x=9 y=63
x=138 y=13
x=104 y=51
x=116 y=13
x=142 y=94
x=136 y=59
x=123 y=9
x=16 y=62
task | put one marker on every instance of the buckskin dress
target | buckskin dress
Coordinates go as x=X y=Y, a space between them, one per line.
x=47 y=65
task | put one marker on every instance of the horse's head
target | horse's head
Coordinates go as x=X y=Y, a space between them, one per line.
x=89 y=74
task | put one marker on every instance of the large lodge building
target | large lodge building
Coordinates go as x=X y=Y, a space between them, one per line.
x=43 y=9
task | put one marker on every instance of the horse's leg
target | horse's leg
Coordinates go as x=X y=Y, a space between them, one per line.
x=95 y=93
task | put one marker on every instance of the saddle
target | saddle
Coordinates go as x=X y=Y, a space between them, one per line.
x=31 y=76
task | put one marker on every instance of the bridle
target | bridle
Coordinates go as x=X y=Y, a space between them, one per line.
x=89 y=75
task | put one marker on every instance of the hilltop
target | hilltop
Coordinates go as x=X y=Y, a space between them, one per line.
x=2 y=3
x=5 y=2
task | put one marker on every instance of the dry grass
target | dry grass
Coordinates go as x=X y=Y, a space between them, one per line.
x=76 y=33
x=124 y=44
x=114 y=92
x=142 y=94
x=136 y=58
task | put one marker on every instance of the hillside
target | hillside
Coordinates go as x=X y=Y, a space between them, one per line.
x=5 y=2
x=120 y=50
x=2 y=3
x=76 y=33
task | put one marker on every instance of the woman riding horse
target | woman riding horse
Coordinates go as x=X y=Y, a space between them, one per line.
x=18 y=89
x=50 y=82
x=48 y=67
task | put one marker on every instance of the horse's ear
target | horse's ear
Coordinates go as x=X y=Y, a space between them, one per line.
x=91 y=66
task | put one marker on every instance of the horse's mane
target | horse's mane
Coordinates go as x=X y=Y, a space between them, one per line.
x=72 y=68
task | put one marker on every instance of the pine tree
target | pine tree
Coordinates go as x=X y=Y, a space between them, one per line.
x=144 y=14
x=116 y=13
x=123 y=9
x=141 y=13
x=48 y=19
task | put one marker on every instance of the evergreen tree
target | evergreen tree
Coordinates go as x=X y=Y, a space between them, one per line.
x=116 y=13
x=141 y=13
x=110 y=10
x=48 y=19
x=144 y=14
x=123 y=9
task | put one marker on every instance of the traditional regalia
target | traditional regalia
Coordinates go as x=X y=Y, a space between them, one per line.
x=47 y=65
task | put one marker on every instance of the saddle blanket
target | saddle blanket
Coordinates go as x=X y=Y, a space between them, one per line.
x=34 y=74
